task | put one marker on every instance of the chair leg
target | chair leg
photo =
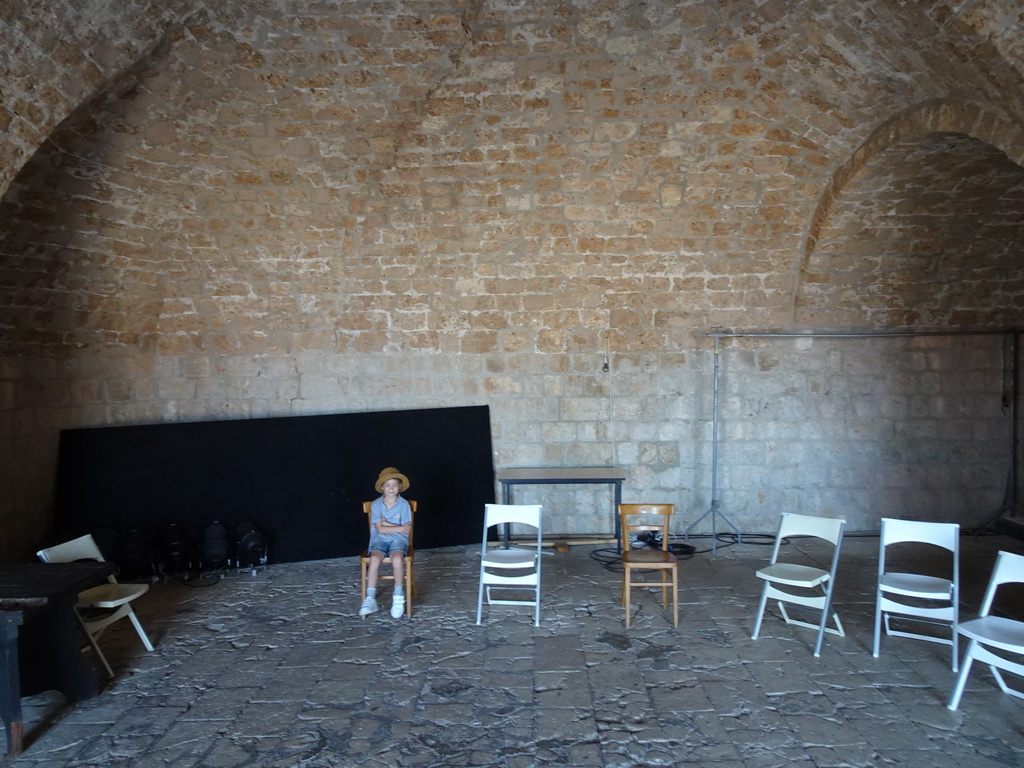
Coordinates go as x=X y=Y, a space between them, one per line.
x=480 y=599
x=95 y=645
x=675 y=597
x=408 y=590
x=825 y=610
x=760 y=611
x=821 y=635
x=878 y=627
x=362 y=580
x=140 y=630
x=961 y=680
x=627 y=586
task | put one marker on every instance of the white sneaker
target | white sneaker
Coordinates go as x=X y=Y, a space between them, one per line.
x=369 y=606
x=398 y=606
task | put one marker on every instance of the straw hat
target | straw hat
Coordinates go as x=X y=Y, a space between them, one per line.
x=386 y=474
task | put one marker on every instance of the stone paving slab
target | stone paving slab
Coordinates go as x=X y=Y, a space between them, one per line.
x=276 y=670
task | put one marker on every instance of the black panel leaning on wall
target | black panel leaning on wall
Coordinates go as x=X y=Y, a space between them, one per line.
x=301 y=479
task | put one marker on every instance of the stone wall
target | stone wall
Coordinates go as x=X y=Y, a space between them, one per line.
x=324 y=207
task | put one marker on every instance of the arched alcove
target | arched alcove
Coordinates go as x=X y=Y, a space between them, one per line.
x=922 y=228
x=927 y=236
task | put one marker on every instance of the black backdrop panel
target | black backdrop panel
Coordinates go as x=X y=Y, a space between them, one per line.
x=301 y=479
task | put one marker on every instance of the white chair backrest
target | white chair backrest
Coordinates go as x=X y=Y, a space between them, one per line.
x=828 y=528
x=497 y=514
x=945 y=535
x=82 y=548
x=1009 y=569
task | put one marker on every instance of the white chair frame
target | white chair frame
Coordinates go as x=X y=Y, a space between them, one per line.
x=495 y=561
x=994 y=632
x=113 y=597
x=777 y=575
x=939 y=597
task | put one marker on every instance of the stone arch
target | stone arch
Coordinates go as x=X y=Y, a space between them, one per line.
x=65 y=58
x=972 y=122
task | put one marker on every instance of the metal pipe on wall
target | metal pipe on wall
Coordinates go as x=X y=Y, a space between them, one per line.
x=714 y=510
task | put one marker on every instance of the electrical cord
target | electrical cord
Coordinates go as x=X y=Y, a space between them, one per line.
x=611 y=560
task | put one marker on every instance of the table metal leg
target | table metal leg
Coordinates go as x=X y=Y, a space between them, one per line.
x=10 y=683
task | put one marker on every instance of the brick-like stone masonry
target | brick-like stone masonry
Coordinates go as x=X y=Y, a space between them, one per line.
x=221 y=210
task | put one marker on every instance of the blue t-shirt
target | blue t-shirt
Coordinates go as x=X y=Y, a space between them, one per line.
x=400 y=514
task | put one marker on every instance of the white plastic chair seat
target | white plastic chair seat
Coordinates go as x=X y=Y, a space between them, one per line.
x=110 y=595
x=510 y=558
x=996 y=631
x=916 y=585
x=793 y=574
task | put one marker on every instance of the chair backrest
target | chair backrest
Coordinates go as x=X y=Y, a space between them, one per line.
x=82 y=548
x=828 y=528
x=635 y=518
x=1009 y=569
x=412 y=517
x=945 y=535
x=498 y=514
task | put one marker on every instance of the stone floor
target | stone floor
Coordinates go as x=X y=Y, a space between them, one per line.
x=277 y=671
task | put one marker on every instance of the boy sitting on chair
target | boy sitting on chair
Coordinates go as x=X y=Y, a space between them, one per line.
x=390 y=523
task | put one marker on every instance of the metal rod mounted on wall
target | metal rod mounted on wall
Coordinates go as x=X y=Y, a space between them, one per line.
x=714 y=510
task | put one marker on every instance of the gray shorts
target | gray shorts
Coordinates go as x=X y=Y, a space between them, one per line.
x=387 y=546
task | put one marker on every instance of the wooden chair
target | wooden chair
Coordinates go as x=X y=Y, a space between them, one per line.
x=364 y=560
x=652 y=519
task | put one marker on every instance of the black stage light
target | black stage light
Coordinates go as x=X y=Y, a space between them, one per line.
x=214 y=548
x=135 y=556
x=178 y=550
x=251 y=547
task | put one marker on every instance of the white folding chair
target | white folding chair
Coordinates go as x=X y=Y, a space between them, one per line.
x=994 y=640
x=513 y=568
x=100 y=606
x=919 y=597
x=817 y=582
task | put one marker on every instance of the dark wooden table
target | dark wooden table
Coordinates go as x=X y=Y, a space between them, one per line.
x=37 y=602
